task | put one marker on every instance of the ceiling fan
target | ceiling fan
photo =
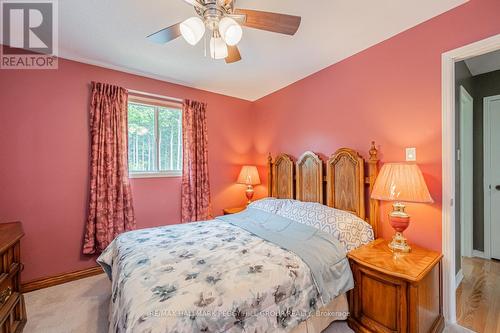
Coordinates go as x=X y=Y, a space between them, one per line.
x=224 y=23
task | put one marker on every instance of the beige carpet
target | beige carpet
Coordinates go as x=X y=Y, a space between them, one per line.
x=82 y=307
x=75 y=307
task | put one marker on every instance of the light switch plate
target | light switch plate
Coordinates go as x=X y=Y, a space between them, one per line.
x=411 y=154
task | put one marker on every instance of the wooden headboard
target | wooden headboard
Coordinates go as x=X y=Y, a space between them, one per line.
x=347 y=184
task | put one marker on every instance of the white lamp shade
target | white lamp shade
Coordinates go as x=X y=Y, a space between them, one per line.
x=249 y=175
x=230 y=31
x=402 y=182
x=193 y=30
x=218 y=48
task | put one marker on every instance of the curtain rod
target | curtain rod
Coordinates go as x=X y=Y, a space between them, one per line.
x=142 y=93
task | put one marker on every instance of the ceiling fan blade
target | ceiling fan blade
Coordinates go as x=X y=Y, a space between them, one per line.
x=280 y=23
x=233 y=54
x=166 y=35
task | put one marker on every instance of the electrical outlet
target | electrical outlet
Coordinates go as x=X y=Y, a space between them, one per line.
x=411 y=154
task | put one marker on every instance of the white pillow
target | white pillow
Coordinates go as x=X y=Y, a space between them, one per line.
x=271 y=205
x=349 y=229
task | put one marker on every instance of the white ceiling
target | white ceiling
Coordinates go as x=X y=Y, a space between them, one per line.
x=111 y=33
x=485 y=63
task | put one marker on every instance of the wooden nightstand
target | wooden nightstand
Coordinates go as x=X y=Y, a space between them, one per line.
x=395 y=292
x=229 y=211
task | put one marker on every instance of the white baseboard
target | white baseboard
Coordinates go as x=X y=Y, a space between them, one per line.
x=458 y=278
x=479 y=254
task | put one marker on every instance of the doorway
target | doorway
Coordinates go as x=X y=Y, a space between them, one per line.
x=469 y=223
x=478 y=190
x=492 y=173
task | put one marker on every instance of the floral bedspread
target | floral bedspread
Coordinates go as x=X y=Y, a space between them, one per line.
x=205 y=277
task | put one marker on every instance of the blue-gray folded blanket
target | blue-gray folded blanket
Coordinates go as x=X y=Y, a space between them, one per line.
x=324 y=254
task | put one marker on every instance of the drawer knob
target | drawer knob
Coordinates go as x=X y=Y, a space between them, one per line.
x=4 y=295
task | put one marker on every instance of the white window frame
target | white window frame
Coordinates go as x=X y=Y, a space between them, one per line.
x=156 y=104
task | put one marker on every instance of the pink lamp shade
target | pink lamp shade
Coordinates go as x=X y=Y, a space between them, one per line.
x=249 y=175
x=401 y=182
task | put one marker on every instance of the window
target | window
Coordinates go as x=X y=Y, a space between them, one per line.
x=154 y=139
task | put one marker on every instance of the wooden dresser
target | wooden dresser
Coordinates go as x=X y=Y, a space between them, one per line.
x=395 y=292
x=12 y=308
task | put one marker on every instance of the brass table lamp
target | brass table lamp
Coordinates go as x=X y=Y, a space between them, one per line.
x=249 y=176
x=400 y=182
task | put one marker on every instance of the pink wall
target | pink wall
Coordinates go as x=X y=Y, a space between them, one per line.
x=44 y=148
x=390 y=93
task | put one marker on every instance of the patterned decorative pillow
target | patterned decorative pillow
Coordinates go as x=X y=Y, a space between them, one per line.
x=271 y=205
x=349 y=229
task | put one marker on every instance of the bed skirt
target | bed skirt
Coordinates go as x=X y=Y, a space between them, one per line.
x=338 y=309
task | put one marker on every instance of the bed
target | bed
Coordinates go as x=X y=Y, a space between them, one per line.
x=278 y=266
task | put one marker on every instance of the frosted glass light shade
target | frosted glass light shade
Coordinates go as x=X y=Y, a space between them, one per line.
x=218 y=48
x=193 y=30
x=230 y=31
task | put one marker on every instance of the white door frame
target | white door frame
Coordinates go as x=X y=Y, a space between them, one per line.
x=487 y=176
x=466 y=225
x=448 y=163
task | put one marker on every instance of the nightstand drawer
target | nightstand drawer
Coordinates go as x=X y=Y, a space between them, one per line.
x=395 y=293
x=372 y=287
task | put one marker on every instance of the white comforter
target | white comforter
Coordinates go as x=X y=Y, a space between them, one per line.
x=206 y=277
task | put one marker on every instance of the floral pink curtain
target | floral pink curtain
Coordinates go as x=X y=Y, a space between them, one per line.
x=110 y=204
x=195 y=202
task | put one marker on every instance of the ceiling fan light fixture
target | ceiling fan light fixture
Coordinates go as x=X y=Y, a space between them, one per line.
x=230 y=31
x=224 y=23
x=192 y=30
x=218 y=48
